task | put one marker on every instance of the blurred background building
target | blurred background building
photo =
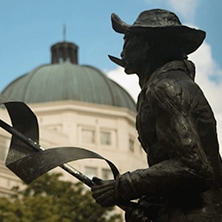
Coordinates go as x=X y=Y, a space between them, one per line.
x=76 y=105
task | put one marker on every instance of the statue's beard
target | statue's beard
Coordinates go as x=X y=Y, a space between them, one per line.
x=118 y=61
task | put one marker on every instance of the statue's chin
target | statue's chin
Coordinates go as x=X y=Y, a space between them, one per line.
x=129 y=71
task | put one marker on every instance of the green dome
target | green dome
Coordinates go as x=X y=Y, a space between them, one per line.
x=64 y=79
x=68 y=81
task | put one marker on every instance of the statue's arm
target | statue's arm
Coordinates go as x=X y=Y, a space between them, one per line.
x=186 y=168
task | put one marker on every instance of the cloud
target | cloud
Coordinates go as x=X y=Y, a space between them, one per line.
x=208 y=75
x=128 y=82
x=186 y=8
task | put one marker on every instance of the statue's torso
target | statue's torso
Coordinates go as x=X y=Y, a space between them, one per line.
x=203 y=119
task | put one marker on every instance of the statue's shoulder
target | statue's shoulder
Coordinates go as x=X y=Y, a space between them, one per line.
x=171 y=86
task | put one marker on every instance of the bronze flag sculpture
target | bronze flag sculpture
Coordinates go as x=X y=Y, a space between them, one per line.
x=29 y=160
x=175 y=123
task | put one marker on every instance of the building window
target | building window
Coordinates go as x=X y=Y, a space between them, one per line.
x=105 y=138
x=131 y=144
x=107 y=174
x=88 y=135
x=91 y=171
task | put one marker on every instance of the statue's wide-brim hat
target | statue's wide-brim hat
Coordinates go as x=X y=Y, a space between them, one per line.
x=164 y=23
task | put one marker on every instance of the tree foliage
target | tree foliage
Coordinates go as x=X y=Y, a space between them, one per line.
x=49 y=199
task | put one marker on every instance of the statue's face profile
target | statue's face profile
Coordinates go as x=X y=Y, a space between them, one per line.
x=133 y=54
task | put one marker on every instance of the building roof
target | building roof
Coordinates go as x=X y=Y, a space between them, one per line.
x=66 y=80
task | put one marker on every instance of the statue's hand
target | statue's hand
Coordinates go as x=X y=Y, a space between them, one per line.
x=104 y=192
x=114 y=192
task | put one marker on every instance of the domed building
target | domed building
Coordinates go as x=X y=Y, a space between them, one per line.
x=64 y=79
x=77 y=105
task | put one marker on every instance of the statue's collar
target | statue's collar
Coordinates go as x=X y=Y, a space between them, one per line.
x=183 y=65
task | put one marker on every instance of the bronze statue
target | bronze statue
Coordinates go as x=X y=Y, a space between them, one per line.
x=175 y=123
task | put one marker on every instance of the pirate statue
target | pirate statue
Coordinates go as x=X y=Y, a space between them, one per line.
x=176 y=127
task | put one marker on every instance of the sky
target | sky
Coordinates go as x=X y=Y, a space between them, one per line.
x=29 y=28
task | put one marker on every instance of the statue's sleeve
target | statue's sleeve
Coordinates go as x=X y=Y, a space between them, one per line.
x=186 y=168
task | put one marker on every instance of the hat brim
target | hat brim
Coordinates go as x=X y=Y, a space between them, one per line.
x=190 y=38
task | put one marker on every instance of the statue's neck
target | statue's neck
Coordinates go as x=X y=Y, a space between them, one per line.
x=144 y=74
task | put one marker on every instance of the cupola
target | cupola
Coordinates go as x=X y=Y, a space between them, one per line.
x=63 y=52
